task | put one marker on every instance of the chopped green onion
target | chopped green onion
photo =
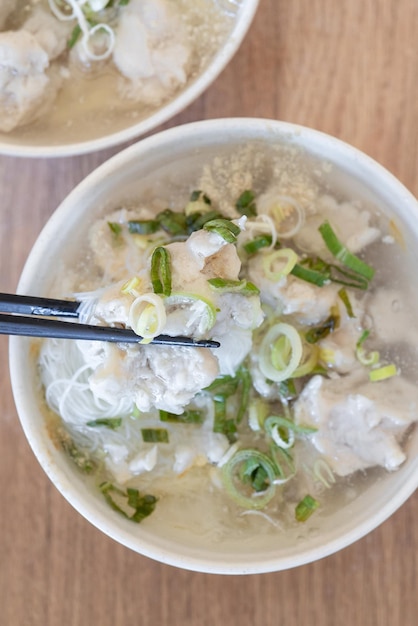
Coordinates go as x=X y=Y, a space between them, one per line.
x=154 y=435
x=287 y=388
x=245 y=204
x=287 y=259
x=222 y=424
x=382 y=373
x=131 y=286
x=320 y=468
x=161 y=271
x=341 y=253
x=346 y=301
x=196 y=221
x=349 y=279
x=254 y=474
x=243 y=493
x=371 y=358
x=262 y=241
x=309 y=361
x=110 y=422
x=305 y=508
x=188 y=417
x=81 y=459
x=280 y=430
x=174 y=223
x=147 y=316
x=244 y=378
x=142 y=505
x=320 y=332
x=320 y=273
x=283 y=463
x=282 y=210
x=310 y=276
x=225 y=228
x=258 y=410
x=190 y=301
x=244 y=287
x=363 y=337
x=223 y=386
x=283 y=430
x=199 y=195
x=143 y=227
x=74 y=37
x=136 y=413
x=115 y=227
x=271 y=346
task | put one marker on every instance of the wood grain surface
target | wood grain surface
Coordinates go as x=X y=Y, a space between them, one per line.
x=346 y=67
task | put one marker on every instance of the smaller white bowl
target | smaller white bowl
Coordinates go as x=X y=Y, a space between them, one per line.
x=38 y=140
x=175 y=155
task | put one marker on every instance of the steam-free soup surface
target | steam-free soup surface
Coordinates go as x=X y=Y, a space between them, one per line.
x=73 y=71
x=307 y=402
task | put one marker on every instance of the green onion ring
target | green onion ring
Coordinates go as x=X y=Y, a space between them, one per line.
x=228 y=470
x=289 y=259
x=266 y=366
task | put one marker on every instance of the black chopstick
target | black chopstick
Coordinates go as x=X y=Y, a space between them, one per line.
x=39 y=327
x=36 y=326
x=33 y=305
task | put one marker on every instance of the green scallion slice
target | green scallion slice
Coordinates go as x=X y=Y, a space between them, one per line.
x=223 y=386
x=346 y=301
x=124 y=502
x=310 y=276
x=245 y=381
x=340 y=252
x=249 y=477
x=284 y=464
x=115 y=227
x=197 y=194
x=245 y=204
x=320 y=332
x=225 y=228
x=262 y=241
x=154 y=435
x=109 y=422
x=223 y=424
x=382 y=373
x=174 y=223
x=143 y=227
x=74 y=37
x=366 y=358
x=190 y=416
x=80 y=458
x=244 y=287
x=305 y=508
x=196 y=221
x=161 y=271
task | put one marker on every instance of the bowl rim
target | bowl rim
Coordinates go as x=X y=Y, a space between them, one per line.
x=175 y=106
x=205 y=128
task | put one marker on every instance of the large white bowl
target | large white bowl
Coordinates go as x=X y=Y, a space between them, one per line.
x=27 y=143
x=171 y=155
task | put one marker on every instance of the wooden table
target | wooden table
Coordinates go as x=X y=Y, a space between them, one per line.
x=349 y=68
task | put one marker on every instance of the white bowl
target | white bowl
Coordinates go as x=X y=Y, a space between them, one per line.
x=175 y=155
x=34 y=141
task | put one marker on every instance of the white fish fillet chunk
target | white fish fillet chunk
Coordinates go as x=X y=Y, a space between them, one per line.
x=357 y=427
